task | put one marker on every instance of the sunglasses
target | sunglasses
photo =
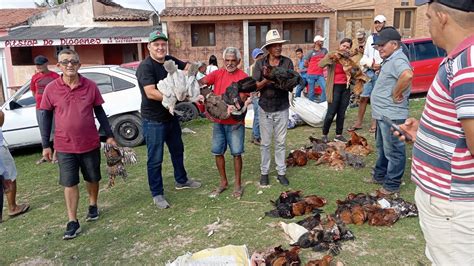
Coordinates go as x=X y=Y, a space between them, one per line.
x=67 y=62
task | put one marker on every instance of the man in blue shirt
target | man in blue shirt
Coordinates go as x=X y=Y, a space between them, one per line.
x=300 y=69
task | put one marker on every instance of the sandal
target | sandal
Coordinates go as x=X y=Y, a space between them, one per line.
x=22 y=208
x=40 y=161
x=238 y=193
x=372 y=130
x=354 y=128
x=216 y=192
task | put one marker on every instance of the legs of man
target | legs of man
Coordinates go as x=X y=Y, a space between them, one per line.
x=219 y=147
x=154 y=138
x=280 y=121
x=311 y=79
x=322 y=83
x=266 y=131
x=364 y=99
x=71 y=197
x=176 y=148
x=447 y=228
x=390 y=164
x=344 y=95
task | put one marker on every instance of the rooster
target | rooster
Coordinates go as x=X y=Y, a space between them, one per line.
x=117 y=157
x=285 y=79
x=358 y=145
x=283 y=257
x=353 y=72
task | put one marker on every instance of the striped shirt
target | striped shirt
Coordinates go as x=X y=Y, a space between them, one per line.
x=442 y=164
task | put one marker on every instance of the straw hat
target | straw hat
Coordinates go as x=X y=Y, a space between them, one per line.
x=273 y=36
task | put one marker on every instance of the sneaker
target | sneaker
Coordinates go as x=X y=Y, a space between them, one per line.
x=382 y=192
x=371 y=180
x=340 y=138
x=264 y=180
x=189 y=184
x=72 y=230
x=92 y=214
x=161 y=202
x=325 y=139
x=283 y=180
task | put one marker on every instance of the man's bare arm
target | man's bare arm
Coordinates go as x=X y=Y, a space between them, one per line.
x=402 y=85
x=152 y=93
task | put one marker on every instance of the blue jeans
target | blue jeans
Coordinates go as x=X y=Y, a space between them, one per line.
x=156 y=135
x=256 y=123
x=312 y=80
x=391 y=158
x=228 y=135
x=299 y=88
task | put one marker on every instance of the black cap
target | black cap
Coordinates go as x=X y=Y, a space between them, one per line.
x=40 y=60
x=387 y=34
x=463 y=5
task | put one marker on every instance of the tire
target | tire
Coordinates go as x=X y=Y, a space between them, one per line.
x=189 y=111
x=128 y=130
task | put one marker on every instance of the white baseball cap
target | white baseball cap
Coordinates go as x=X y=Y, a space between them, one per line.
x=380 y=18
x=318 y=38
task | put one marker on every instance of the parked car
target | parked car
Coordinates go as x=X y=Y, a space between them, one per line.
x=122 y=98
x=425 y=58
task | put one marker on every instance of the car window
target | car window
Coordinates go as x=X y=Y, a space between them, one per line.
x=120 y=84
x=425 y=50
x=103 y=81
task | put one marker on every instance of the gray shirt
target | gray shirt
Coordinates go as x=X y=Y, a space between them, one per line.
x=381 y=97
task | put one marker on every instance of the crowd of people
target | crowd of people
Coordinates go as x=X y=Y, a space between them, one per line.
x=443 y=161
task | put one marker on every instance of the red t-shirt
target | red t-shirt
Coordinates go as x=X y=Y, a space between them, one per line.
x=74 y=123
x=339 y=75
x=38 y=84
x=313 y=57
x=221 y=79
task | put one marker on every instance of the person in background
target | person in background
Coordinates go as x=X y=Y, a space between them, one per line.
x=314 y=73
x=227 y=132
x=371 y=54
x=212 y=64
x=443 y=150
x=338 y=93
x=40 y=79
x=159 y=126
x=257 y=54
x=389 y=100
x=8 y=182
x=274 y=108
x=302 y=70
x=201 y=70
x=357 y=52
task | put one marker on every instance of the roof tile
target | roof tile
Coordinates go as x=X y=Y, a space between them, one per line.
x=245 y=10
x=11 y=17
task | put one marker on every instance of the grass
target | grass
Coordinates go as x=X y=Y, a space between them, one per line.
x=131 y=230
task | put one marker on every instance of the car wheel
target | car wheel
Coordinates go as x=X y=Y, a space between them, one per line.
x=186 y=111
x=128 y=130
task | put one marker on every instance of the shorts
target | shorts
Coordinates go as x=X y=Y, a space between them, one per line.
x=231 y=135
x=70 y=163
x=8 y=167
x=369 y=86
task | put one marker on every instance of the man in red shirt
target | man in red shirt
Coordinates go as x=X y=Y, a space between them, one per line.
x=74 y=100
x=40 y=79
x=227 y=132
x=314 y=73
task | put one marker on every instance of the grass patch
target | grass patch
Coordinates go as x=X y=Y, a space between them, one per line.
x=132 y=230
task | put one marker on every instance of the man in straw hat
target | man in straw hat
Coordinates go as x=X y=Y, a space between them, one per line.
x=273 y=111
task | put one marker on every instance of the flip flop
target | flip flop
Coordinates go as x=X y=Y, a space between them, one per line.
x=40 y=161
x=353 y=128
x=217 y=191
x=372 y=130
x=22 y=208
x=238 y=193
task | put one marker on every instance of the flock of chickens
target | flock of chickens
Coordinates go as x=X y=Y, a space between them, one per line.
x=336 y=154
x=326 y=234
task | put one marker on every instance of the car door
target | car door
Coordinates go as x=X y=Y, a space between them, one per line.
x=425 y=60
x=21 y=127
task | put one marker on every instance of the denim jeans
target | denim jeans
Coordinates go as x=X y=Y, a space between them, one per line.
x=256 y=124
x=156 y=135
x=312 y=80
x=300 y=88
x=228 y=135
x=391 y=158
x=273 y=124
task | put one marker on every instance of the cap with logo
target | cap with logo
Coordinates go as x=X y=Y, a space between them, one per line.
x=155 y=35
x=40 y=60
x=318 y=38
x=380 y=18
x=272 y=37
x=463 y=5
x=256 y=52
x=387 y=34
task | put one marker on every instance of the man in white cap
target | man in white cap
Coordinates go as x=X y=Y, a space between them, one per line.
x=273 y=111
x=314 y=73
x=372 y=56
x=443 y=152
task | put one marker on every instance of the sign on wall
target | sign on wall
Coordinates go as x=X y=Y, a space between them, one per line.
x=72 y=41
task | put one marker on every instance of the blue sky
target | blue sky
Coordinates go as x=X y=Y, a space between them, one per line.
x=140 y=4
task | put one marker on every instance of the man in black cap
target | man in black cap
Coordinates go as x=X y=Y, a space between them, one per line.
x=390 y=99
x=443 y=150
x=40 y=79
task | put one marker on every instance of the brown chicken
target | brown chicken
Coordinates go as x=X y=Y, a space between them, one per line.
x=358 y=214
x=117 y=157
x=358 y=145
x=353 y=72
x=312 y=154
x=383 y=217
x=325 y=261
x=282 y=257
x=297 y=158
x=315 y=201
x=344 y=213
x=299 y=208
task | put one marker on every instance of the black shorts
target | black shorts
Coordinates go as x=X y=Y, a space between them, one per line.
x=70 y=163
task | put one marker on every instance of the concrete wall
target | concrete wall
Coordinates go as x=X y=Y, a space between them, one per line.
x=70 y=15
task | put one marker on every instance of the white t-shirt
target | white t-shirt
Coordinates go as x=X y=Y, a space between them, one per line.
x=370 y=52
x=211 y=68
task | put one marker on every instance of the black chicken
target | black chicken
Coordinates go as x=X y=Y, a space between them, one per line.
x=285 y=79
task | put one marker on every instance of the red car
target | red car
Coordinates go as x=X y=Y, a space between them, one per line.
x=189 y=110
x=425 y=58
